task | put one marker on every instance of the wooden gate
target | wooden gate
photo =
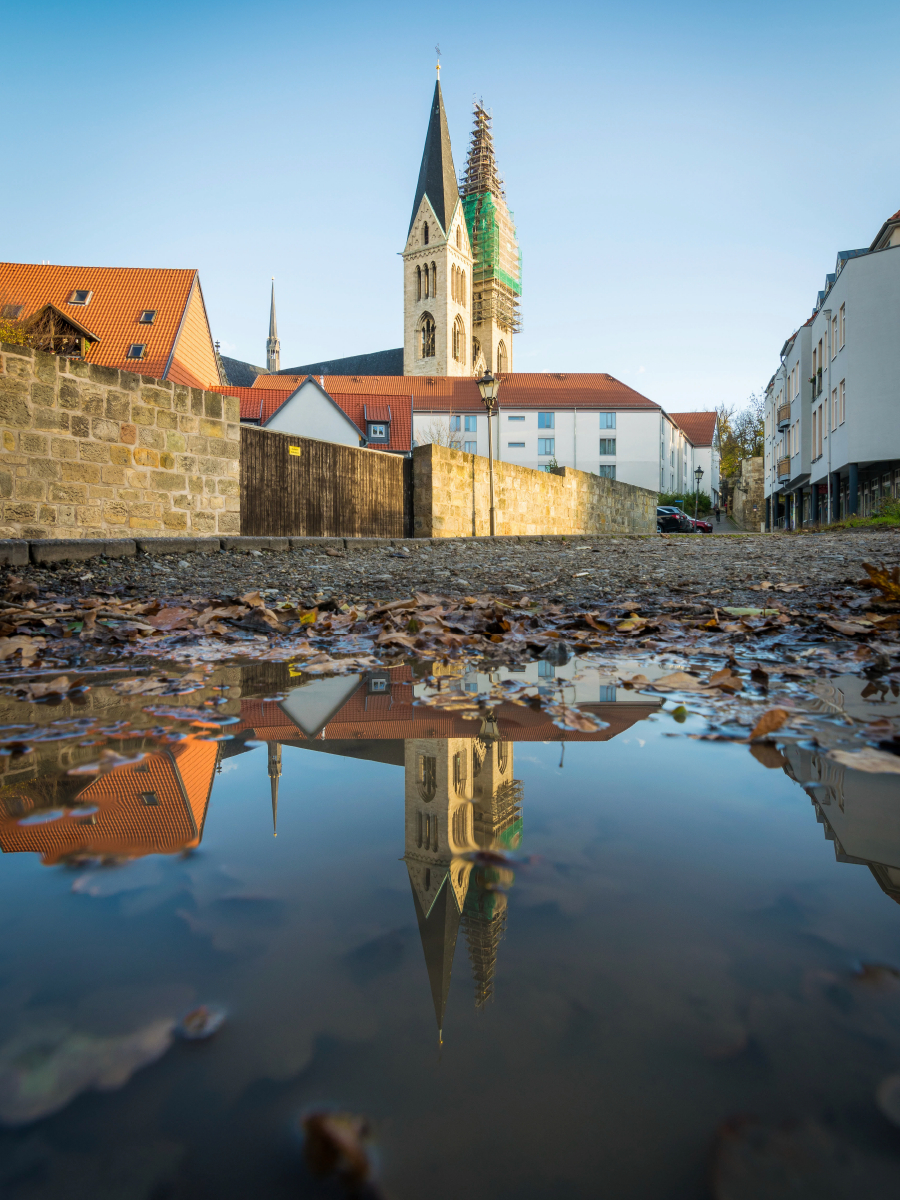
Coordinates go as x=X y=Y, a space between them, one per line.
x=298 y=487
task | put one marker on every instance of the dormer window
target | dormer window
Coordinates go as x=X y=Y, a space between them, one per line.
x=80 y=296
x=147 y=317
x=136 y=350
x=12 y=312
x=377 y=432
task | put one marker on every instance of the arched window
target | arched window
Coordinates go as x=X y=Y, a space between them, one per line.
x=418 y=283
x=462 y=296
x=434 y=834
x=476 y=350
x=459 y=237
x=427 y=777
x=502 y=755
x=427 y=879
x=427 y=339
x=459 y=340
x=501 y=357
x=425 y=234
x=453 y=283
x=426 y=292
x=433 y=279
x=459 y=771
x=418 y=829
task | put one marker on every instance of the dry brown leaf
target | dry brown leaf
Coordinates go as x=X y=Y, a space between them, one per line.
x=254 y=599
x=172 y=618
x=726 y=679
x=680 y=681
x=769 y=722
x=887 y=582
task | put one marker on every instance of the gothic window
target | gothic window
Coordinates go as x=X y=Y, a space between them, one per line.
x=476 y=349
x=459 y=771
x=459 y=237
x=459 y=340
x=459 y=826
x=501 y=358
x=427 y=879
x=418 y=829
x=418 y=283
x=426 y=331
x=425 y=234
x=462 y=295
x=502 y=755
x=427 y=777
x=453 y=283
x=433 y=279
x=434 y=834
x=425 y=282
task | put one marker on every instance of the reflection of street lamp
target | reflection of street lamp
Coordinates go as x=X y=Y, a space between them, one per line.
x=490 y=730
x=698 y=475
x=488 y=386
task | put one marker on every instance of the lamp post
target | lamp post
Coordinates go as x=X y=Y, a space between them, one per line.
x=698 y=475
x=488 y=386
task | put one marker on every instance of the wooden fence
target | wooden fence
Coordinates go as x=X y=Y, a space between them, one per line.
x=295 y=487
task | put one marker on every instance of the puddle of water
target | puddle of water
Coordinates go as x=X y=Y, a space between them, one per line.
x=543 y=955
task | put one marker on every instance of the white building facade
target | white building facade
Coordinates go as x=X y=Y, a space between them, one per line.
x=832 y=434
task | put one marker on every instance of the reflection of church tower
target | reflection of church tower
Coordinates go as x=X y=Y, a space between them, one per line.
x=460 y=797
x=497 y=825
x=274 y=776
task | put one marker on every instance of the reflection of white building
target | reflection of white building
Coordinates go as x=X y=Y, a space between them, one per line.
x=860 y=813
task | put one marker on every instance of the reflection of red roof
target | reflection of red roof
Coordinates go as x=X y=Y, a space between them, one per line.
x=180 y=778
x=448 y=393
x=700 y=427
x=393 y=716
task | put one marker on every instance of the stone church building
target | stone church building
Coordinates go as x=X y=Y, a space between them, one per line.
x=461 y=272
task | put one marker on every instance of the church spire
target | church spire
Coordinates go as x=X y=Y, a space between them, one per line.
x=274 y=776
x=438 y=929
x=437 y=176
x=273 y=346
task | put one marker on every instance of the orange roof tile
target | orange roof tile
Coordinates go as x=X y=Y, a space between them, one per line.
x=700 y=427
x=446 y=393
x=119 y=294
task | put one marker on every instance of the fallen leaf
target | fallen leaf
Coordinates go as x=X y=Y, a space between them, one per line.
x=726 y=680
x=873 y=762
x=172 y=618
x=887 y=582
x=681 y=681
x=769 y=722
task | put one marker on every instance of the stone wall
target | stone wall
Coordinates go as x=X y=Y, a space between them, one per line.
x=90 y=451
x=451 y=499
x=747 y=495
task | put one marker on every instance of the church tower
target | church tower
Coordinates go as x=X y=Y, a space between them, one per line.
x=273 y=346
x=437 y=263
x=497 y=269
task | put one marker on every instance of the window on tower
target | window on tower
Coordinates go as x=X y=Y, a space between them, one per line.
x=425 y=234
x=462 y=298
x=501 y=358
x=459 y=237
x=426 y=333
x=418 y=283
x=459 y=342
x=433 y=279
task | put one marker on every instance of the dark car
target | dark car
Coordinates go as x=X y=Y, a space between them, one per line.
x=701 y=526
x=672 y=520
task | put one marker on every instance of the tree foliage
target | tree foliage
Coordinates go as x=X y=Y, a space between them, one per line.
x=438 y=433
x=13 y=333
x=740 y=433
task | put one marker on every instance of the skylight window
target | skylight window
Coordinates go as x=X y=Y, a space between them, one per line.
x=12 y=312
x=147 y=317
x=136 y=350
x=80 y=296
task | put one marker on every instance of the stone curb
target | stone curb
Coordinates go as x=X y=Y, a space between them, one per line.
x=16 y=552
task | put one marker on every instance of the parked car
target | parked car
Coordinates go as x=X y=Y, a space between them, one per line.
x=701 y=526
x=672 y=520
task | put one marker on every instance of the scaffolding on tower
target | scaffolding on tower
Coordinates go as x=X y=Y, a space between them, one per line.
x=497 y=259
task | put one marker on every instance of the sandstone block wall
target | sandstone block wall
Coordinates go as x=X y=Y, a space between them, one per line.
x=451 y=499
x=748 y=500
x=91 y=451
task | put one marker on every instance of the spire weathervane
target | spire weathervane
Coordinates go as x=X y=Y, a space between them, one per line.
x=437 y=51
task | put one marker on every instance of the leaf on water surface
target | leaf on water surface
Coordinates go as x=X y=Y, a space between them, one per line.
x=768 y=755
x=43 y=1068
x=769 y=722
x=679 y=681
x=873 y=762
x=22 y=643
x=726 y=679
x=54 y=687
x=336 y=1143
x=201 y=1023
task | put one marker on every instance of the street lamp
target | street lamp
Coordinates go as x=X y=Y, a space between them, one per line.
x=489 y=386
x=698 y=475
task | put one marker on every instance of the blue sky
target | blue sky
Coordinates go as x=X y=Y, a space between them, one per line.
x=681 y=176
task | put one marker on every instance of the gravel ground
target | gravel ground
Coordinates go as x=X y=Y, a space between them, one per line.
x=727 y=570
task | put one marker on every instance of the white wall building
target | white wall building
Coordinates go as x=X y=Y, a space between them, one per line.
x=832 y=437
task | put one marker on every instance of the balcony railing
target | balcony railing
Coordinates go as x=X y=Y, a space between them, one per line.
x=784 y=468
x=784 y=414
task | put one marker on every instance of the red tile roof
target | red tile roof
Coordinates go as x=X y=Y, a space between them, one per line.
x=119 y=296
x=261 y=404
x=448 y=393
x=700 y=427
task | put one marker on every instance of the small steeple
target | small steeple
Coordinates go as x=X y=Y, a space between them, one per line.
x=274 y=776
x=273 y=346
x=437 y=176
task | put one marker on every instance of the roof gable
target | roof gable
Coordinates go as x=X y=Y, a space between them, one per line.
x=700 y=427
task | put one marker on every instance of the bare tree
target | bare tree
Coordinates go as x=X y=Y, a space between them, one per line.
x=438 y=433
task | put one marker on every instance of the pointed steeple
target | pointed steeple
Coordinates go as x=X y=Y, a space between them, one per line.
x=273 y=346
x=437 y=177
x=439 y=930
x=274 y=776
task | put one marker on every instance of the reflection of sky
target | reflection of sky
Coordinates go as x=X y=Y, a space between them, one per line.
x=661 y=972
